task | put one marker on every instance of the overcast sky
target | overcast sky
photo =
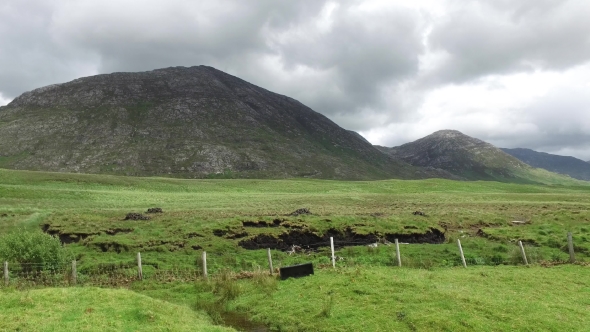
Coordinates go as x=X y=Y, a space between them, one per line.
x=515 y=73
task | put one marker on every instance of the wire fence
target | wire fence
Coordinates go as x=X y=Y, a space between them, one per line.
x=130 y=270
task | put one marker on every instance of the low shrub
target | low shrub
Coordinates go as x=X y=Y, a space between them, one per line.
x=34 y=251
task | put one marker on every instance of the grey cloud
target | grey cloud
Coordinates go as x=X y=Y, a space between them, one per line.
x=361 y=68
x=29 y=57
x=161 y=34
x=562 y=120
x=357 y=55
x=498 y=37
x=364 y=52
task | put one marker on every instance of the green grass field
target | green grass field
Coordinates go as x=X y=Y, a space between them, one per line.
x=87 y=212
x=95 y=309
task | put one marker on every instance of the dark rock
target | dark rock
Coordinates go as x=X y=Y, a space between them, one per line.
x=300 y=212
x=154 y=210
x=136 y=216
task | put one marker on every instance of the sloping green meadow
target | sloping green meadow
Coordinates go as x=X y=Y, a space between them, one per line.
x=95 y=309
x=230 y=218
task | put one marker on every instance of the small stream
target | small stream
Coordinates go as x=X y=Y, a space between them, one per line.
x=240 y=322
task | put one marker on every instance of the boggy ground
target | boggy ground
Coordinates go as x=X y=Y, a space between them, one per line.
x=236 y=220
x=230 y=219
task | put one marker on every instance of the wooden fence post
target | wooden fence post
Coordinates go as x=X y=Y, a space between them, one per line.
x=332 y=247
x=526 y=262
x=6 y=280
x=397 y=253
x=461 y=252
x=204 y=265
x=139 y=269
x=74 y=273
x=570 y=245
x=270 y=261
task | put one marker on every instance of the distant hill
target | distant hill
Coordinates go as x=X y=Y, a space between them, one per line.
x=184 y=122
x=469 y=158
x=571 y=166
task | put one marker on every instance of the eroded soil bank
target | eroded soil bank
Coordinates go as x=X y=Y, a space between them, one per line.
x=346 y=237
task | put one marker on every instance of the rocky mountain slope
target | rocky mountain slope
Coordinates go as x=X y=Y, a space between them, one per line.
x=469 y=158
x=574 y=167
x=185 y=122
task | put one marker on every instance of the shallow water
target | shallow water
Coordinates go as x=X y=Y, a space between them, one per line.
x=240 y=322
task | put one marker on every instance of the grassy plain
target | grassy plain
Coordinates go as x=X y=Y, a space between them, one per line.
x=503 y=298
x=91 y=208
x=213 y=215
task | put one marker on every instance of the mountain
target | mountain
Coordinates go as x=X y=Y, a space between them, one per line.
x=358 y=135
x=571 y=166
x=469 y=158
x=183 y=122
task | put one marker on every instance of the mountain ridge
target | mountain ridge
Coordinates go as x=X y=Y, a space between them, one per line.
x=469 y=158
x=574 y=167
x=186 y=122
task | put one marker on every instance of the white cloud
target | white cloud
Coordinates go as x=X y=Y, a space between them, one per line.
x=544 y=110
x=4 y=101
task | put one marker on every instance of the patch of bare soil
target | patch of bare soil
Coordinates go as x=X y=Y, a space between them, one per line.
x=306 y=239
x=262 y=223
x=66 y=238
x=75 y=237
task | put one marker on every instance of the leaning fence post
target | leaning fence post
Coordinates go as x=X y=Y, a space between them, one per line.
x=397 y=253
x=74 y=273
x=139 y=269
x=461 y=252
x=269 y=261
x=6 y=273
x=204 y=264
x=570 y=245
x=332 y=247
x=526 y=262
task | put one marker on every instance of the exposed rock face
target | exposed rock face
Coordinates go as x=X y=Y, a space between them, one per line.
x=461 y=155
x=576 y=168
x=186 y=122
